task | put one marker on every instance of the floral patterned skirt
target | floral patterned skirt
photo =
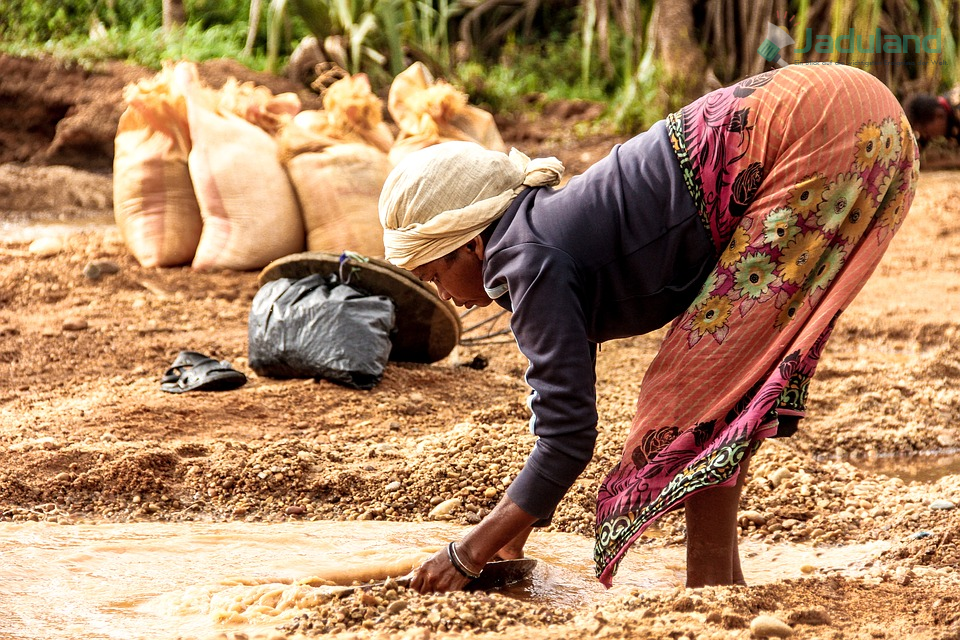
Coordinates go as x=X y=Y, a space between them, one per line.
x=801 y=176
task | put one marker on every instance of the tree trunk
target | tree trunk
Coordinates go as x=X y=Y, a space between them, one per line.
x=683 y=60
x=174 y=14
x=252 y=27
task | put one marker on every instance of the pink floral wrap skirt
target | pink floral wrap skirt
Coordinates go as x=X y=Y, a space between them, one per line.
x=802 y=176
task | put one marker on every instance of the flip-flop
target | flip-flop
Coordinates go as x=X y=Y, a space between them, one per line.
x=185 y=360
x=206 y=375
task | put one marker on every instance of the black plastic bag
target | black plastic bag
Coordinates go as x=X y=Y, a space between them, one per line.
x=316 y=327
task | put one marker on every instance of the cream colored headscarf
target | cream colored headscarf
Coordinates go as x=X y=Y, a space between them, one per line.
x=439 y=198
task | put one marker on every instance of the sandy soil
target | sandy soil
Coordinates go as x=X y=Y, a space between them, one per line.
x=87 y=434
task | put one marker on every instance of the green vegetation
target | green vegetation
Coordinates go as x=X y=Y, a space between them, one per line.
x=506 y=54
x=146 y=45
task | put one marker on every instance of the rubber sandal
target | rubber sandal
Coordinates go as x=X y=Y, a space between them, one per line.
x=206 y=375
x=185 y=360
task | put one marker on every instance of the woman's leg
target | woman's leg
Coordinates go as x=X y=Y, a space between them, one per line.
x=713 y=557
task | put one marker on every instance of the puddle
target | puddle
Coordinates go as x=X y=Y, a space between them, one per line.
x=928 y=467
x=199 y=580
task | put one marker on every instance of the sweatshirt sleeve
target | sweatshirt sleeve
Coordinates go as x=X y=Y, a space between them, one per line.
x=550 y=328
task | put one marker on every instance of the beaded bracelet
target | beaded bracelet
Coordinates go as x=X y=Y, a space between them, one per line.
x=458 y=565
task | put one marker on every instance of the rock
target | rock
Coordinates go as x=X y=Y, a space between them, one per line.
x=812 y=616
x=780 y=476
x=445 y=507
x=769 y=627
x=92 y=272
x=732 y=620
x=295 y=510
x=46 y=247
x=754 y=517
x=397 y=606
x=75 y=324
x=106 y=267
x=944 y=505
x=393 y=486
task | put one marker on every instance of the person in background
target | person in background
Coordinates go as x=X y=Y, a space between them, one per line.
x=934 y=117
x=748 y=221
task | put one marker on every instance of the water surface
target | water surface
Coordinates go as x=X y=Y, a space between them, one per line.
x=197 y=580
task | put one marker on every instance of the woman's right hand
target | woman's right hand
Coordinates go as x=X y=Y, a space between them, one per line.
x=504 y=530
x=438 y=575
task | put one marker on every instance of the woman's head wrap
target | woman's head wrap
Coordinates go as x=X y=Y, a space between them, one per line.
x=439 y=198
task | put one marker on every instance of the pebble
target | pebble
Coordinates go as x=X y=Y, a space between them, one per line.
x=46 y=247
x=754 y=517
x=780 y=476
x=769 y=627
x=947 y=440
x=813 y=616
x=295 y=510
x=92 y=271
x=393 y=486
x=445 y=507
x=106 y=267
x=75 y=324
x=397 y=606
x=944 y=505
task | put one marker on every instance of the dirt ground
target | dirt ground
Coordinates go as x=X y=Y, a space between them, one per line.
x=88 y=435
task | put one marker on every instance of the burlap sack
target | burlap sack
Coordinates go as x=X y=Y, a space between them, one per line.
x=250 y=212
x=338 y=189
x=337 y=162
x=351 y=113
x=153 y=200
x=429 y=111
x=258 y=105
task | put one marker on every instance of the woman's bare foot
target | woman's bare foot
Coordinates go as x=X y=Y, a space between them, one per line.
x=713 y=557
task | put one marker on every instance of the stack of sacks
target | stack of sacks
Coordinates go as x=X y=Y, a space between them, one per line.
x=337 y=161
x=429 y=111
x=236 y=178
x=153 y=200
x=197 y=178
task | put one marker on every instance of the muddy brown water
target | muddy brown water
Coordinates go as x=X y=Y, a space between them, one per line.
x=201 y=579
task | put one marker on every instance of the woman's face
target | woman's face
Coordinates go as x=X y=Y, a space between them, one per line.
x=458 y=276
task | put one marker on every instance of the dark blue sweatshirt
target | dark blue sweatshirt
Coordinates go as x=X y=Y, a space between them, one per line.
x=619 y=251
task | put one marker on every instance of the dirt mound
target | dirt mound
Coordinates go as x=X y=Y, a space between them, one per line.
x=57 y=113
